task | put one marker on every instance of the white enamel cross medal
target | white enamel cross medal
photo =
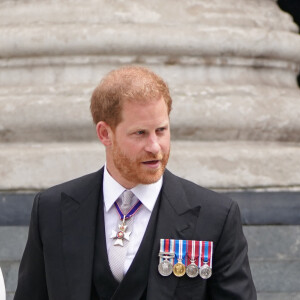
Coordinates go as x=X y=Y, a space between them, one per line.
x=121 y=234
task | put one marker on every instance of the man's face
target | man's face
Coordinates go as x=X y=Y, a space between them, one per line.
x=140 y=144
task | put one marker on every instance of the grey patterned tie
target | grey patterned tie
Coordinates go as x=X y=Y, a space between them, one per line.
x=117 y=252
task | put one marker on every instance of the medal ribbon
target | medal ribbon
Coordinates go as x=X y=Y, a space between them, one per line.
x=162 y=248
x=205 y=253
x=166 y=246
x=210 y=253
x=205 y=258
x=193 y=250
x=132 y=211
x=180 y=251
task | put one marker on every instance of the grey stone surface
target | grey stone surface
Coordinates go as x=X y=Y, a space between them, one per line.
x=268 y=207
x=274 y=253
x=200 y=112
x=280 y=243
x=10 y=274
x=229 y=165
x=219 y=13
x=276 y=276
x=12 y=241
x=15 y=208
x=10 y=296
x=236 y=81
x=94 y=36
x=278 y=296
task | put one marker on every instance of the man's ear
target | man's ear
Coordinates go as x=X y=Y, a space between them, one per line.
x=104 y=133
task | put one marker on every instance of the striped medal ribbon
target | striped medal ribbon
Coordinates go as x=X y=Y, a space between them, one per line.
x=166 y=257
x=205 y=259
x=193 y=258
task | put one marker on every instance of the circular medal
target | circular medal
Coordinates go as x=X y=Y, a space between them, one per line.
x=205 y=271
x=165 y=268
x=192 y=270
x=179 y=269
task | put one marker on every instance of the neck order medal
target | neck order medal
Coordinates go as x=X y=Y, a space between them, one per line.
x=121 y=234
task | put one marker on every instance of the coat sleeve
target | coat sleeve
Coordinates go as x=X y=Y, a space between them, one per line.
x=32 y=279
x=232 y=279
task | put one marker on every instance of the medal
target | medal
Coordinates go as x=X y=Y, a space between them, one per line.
x=121 y=234
x=206 y=249
x=165 y=268
x=192 y=268
x=205 y=271
x=166 y=253
x=180 y=252
x=179 y=269
x=181 y=256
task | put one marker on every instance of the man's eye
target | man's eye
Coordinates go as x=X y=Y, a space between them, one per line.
x=140 y=132
x=161 y=129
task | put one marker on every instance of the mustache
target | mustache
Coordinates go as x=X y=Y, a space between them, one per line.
x=149 y=157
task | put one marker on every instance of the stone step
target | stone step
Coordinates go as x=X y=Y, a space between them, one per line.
x=199 y=113
x=216 y=165
x=278 y=296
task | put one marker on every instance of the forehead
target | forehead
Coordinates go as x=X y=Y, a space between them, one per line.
x=140 y=106
x=144 y=112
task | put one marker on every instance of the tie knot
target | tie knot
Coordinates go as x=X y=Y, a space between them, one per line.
x=126 y=199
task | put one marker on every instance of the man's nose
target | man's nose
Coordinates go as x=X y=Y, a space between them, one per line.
x=152 y=145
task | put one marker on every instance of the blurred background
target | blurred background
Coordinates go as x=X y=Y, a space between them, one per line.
x=232 y=68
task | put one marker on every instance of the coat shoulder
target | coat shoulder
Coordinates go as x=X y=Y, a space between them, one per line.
x=77 y=188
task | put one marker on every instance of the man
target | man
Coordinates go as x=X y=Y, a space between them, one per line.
x=103 y=236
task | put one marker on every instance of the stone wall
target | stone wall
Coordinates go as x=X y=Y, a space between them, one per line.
x=231 y=66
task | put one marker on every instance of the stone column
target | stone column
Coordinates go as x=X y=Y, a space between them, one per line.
x=231 y=66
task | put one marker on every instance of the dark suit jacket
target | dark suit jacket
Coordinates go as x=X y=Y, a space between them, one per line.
x=58 y=259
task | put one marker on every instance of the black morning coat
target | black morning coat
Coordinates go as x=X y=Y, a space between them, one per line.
x=66 y=259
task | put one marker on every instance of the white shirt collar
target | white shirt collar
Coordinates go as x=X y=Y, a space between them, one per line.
x=146 y=193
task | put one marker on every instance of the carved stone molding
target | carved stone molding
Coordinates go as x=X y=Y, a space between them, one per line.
x=231 y=67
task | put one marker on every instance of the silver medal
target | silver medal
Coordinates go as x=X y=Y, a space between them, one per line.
x=205 y=271
x=192 y=270
x=165 y=268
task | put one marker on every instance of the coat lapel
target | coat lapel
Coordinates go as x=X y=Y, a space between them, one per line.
x=79 y=214
x=176 y=220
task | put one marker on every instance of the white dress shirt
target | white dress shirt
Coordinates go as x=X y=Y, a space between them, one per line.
x=147 y=194
x=2 y=287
